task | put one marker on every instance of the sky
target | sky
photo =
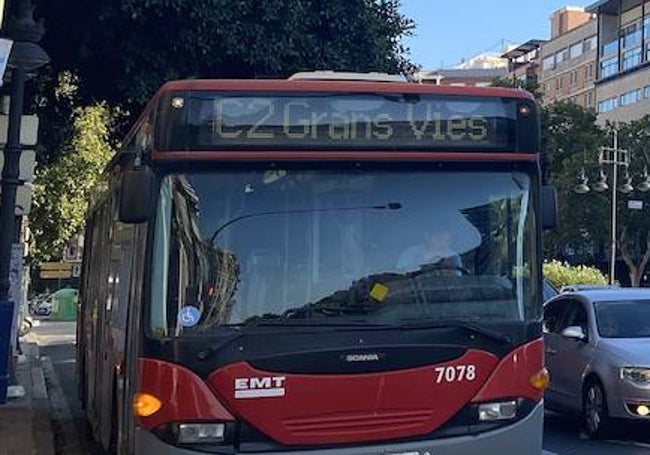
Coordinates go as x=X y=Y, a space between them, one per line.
x=448 y=31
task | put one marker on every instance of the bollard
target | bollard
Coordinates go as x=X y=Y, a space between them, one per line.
x=6 y=322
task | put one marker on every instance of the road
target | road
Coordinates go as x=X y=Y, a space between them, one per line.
x=562 y=435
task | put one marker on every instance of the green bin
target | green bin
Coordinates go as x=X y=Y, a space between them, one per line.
x=64 y=305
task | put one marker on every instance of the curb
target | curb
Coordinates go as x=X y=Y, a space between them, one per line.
x=42 y=431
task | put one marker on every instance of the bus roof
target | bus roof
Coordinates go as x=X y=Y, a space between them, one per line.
x=284 y=85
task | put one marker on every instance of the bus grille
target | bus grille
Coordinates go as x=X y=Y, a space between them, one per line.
x=364 y=423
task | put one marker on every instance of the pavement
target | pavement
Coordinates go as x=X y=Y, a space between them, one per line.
x=25 y=422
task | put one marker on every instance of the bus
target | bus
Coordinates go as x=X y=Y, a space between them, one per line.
x=324 y=265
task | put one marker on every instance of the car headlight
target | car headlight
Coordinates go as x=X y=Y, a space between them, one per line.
x=638 y=376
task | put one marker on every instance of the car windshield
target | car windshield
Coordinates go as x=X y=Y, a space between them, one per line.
x=319 y=247
x=623 y=319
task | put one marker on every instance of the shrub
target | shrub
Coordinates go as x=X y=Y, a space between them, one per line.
x=560 y=274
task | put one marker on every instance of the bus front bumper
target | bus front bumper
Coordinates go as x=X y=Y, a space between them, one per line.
x=524 y=437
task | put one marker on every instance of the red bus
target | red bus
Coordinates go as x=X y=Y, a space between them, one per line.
x=316 y=267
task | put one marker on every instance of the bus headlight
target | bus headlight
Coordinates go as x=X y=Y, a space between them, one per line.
x=199 y=433
x=500 y=410
x=638 y=376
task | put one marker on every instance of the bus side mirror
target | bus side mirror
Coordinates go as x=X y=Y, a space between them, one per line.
x=549 y=208
x=136 y=195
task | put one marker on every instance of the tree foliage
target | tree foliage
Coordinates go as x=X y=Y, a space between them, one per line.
x=109 y=56
x=530 y=85
x=61 y=190
x=562 y=274
x=633 y=236
x=571 y=141
x=122 y=50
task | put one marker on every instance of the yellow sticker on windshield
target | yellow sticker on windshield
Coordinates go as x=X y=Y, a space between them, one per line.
x=379 y=292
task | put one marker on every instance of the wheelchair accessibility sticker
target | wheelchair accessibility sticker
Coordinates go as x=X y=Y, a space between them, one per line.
x=189 y=316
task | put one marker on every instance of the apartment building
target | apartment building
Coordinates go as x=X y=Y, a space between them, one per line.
x=524 y=62
x=623 y=63
x=468 y=77
x=569 y=58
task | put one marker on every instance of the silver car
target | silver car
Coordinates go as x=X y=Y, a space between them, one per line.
x=597 y=346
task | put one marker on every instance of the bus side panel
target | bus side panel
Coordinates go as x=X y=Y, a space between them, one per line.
x=133 y=340
x=119 y=278
x=93 y=303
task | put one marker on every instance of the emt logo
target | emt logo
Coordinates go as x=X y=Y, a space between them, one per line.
x=264 y=387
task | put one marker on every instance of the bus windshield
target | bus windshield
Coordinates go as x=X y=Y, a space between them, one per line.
x=320 y=247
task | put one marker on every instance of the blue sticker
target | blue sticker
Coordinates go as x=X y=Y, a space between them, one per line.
x=189 y=316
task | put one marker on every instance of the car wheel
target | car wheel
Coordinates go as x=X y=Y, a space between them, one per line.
x=594 y=410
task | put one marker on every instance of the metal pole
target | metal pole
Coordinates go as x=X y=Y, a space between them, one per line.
x=612 y=267
x=10 y=181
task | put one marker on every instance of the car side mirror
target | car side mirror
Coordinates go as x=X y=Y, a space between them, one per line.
x=136 y=195
x=574 y=332
x=549 y=207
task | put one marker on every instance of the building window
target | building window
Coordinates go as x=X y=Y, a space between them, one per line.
x=590 y=43
x=610 y=48
x=629 y=98
x=575 y=51
x=589 y=72
x=646 y=27
x=630 y=36
x=589 y=99
x=607 y=105
x=608 y=67
x=562 y=55
x=558 y=83
x=646 y=92
x=548 y=63
x=573 y=77
x=631 y=58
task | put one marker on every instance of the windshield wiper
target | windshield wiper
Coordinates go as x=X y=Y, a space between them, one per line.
x=489 y=333
x=215 y=348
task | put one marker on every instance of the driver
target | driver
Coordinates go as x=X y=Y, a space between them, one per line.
x=435 y=250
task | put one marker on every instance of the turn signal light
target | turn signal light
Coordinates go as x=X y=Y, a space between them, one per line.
x=540 y=379
x=145 y=404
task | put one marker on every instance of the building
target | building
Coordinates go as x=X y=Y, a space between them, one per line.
x=479 y=71
x=623 y=79
x=568 y=59
x=471 y=77
x=524 y=62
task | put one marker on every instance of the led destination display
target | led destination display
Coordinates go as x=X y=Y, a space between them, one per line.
x=216 y=121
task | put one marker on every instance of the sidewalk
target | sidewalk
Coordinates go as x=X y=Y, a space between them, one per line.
x=25 y=423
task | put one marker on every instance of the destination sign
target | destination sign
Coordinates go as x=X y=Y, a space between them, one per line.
x=216 y=121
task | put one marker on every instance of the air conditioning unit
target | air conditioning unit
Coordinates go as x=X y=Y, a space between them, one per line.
x=346 y=76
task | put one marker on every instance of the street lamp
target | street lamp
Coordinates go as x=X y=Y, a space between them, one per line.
x=616 y=157
x=26 y=56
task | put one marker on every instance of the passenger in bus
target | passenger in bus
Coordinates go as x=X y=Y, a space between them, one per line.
x=435 y=251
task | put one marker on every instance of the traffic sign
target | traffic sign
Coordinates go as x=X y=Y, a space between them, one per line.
x=60 y=266
x=55 y=274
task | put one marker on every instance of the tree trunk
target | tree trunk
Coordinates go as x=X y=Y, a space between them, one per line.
x=635 y=270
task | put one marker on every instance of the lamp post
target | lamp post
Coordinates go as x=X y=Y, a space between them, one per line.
x=26 y=56
x=616 y=157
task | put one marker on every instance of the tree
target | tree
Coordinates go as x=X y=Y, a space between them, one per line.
x=633 y=239
x=123 y=50
x=110 y=56
x=528 y=84
x=62 y=190
x=571 y=140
